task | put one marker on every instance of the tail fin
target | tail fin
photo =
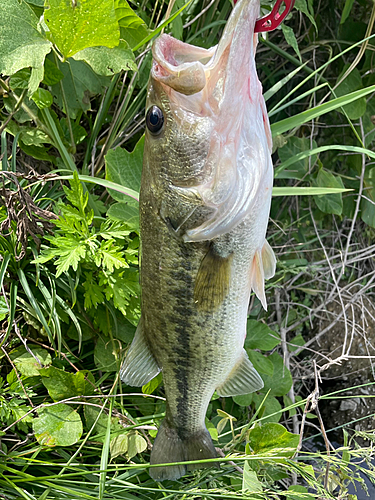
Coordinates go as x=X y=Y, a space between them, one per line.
x=170 y=447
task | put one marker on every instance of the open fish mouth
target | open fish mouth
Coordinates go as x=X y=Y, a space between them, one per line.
x=187 y=69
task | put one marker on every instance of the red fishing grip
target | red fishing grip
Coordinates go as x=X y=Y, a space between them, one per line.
x=274 y=18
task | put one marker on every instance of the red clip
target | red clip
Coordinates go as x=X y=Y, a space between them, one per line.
x=274 y=18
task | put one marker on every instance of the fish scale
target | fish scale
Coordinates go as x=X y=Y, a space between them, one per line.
x=204 y=207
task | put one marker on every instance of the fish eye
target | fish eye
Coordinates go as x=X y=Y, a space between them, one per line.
x=154 y=120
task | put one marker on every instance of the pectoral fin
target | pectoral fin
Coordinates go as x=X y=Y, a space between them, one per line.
x=212 y=281
x=243 y=379
x=263 y=267
x=139 y=366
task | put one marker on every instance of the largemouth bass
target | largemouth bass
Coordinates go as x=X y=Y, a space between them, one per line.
x=204 y=208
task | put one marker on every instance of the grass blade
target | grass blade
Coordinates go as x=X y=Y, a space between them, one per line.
x=4 y=161
x=53 y=316
x=104 y=183
x=105 y=453
x=12 y=309
x=304 y=117
x=305 y=191
x=279 y=85
x=321 y=149
x=73 y=317
x=159 y=28
x=4 y=266
x=67 y=159
x=35 y=305
x=286 y=105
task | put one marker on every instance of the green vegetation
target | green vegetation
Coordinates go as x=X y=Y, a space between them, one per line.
x=72 y=95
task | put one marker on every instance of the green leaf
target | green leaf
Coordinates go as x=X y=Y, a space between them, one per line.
x=80 y=82
x=351 y=83
x=79 y=134
x=57 y=425
x=107 y=354
x=296 y=492
x=260 y=336
x=125 y=212
x=52 y=74
x=330 y=203
x=72 y=251
x=225 y=418
x=177 y=25
x=42 y=98
x=272 y=439
x=125 y=168
x=91 y=416
x=30 y=136
x=108 y=62
x=243 y=400
x=261 y=363
x=288 y=402
x=20 y=116
x=20 y=80
x=281 y=380
x=290 y=38
x=269 y=407
x=302 y=7
x=111 y=256
x=136 y=444
x=298 y=340
x=93 y=292
x=124 y=285
x=154 y=383
x=211 y=429
x=293 y=147
x=132 y=28
x=75 y=194
x=368 y=205
x=87 y=23
x=250 y=481
x=119 y=445
x=38 y=152
x=346 y=10
x=64 y=385
x=4 y=311
x=27 y=364
x=21 y=44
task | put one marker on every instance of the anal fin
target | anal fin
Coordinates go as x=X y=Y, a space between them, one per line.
x=139 y=366
x=212 y=281
x=243 y=379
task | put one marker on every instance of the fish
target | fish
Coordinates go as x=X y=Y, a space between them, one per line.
x=204 y=206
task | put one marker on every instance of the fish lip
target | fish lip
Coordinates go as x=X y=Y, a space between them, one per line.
x=180 y=65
